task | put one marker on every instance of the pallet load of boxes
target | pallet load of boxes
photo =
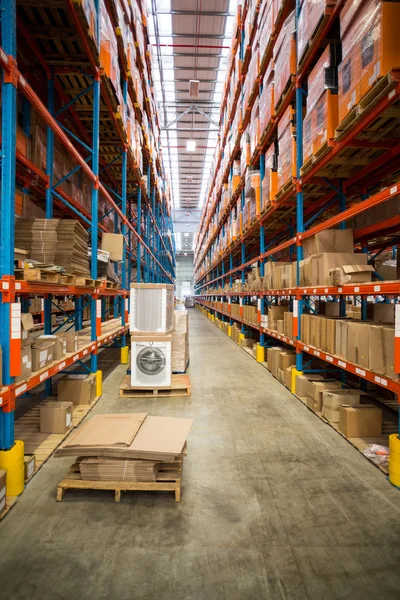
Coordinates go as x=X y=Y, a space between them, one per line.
x=159 y=336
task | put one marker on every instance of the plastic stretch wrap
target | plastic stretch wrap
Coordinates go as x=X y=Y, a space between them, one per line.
x=284 y=57
x=311 y=13
x=321 y=119
x=265 y=25
x=287 y=147
x=270 y=178
x=370 y=47
x=251 y=76
x=245 y=150
x=267 y=102
x=89 y=8
x=254 y=127
x=109 y=50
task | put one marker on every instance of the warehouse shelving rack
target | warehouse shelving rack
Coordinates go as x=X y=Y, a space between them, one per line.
x=80 y=109
x=333 y=189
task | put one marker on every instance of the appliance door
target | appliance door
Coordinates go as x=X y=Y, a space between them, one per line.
x=151 y=361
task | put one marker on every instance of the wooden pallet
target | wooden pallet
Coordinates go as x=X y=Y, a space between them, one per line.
x=284 y=189
x=381 y=88
x=38 y=275
x=81 y=281
x=43 y=445
x=10 y=502
x=168 y=479
x=180 y=386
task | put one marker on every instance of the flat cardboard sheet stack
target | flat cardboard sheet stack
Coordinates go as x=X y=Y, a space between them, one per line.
x=62 y=242
x=127 y=446
x=180 y=341
x=72 y=247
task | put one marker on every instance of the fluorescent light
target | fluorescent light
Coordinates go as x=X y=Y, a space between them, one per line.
x=186 y=235
x=191 y=146
x=185 y=254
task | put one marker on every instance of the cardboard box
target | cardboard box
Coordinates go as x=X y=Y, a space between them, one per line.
x=273 y=359
x=287 y=377
x=26 y=363
x=383 y=312
x=332 y=400
x=280 y=327
x=288 y=325
x=281 y=375
x=60 y=345
x=358 y=343
x=27 y=324
x=330 y=240
x=29 y=466
x=42 y=354
x=363 y=421
x=381 y=350
x=301 y=383
x=3 y=478
x=286 y=359
x=341 y=329
x=71 y=339
x=314 y=392
x=322 y=265
x=81 y=389
x=114 y=244
x=56 y=417
x=351 y=274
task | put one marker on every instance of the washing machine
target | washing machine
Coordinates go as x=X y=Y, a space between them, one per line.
x=151 y=362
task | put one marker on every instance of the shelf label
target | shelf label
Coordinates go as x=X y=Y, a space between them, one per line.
x=329 y=358
x=306 y=348
x=342 y=364
x=377 y=288
x=393 y=190
x=317 y=353
x=76 y=357
x=1 y=400
x=340 y=290
x=360 y=372
x=17 y=286
x=62 y=365
x=21 y=389
x=44 y=376
x=85 y=352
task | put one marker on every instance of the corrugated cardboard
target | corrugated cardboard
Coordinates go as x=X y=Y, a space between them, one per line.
x=322 y=264
x=315 y=389
x=330 y=240
x=363 y=421
x=383 y=312
x=381 y=350
x=81 y=389
x=114 y=244
x=106 y=431
x=286 y=359
x=358 y=344
x=27 y=324
x=273 y=359
x=332 y=400
x=42 y=354
x=341 y=338
x=348 y=274
x=29 y=466
x=301 y=384
x=3 y=477
x=60 y=345
x=56 y=417
x=26 y=363
x=287 y=377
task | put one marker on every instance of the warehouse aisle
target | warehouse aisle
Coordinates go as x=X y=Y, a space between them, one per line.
x=275 y=505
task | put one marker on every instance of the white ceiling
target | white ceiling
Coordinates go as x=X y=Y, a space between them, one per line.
x=191 y=40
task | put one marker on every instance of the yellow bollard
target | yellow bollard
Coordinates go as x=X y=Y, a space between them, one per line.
x=394 y=459
x=295 y=373
x=241 y=337
x=12 y=461
x=99 y=383
x=260 y=353
x=230 y=330
x=124 y=355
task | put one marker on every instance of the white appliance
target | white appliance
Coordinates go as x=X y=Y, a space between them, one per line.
x=151 y=365
x=151 y=308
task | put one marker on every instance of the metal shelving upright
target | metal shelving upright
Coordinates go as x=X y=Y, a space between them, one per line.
x=81 y=112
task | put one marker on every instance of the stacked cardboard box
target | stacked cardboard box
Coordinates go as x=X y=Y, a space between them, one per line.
x=333 y=399
x=126 y=447
x=72 y=247
x=180 y=341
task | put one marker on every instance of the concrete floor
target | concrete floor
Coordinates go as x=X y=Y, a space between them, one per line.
x=275 y=505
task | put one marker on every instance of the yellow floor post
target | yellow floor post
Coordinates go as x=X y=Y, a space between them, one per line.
x=12 y=461
x=394 y=459
x=230 y=330
x=124 y=355
x=295 y=373
x=99 y=383
x=260 y=353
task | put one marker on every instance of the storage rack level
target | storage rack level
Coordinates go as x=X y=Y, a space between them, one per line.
x=55 y=75
x=356 y=170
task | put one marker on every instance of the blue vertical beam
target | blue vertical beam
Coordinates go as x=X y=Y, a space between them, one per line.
x=78 y=313
x=342 y=203
x=139 y=220
x=299 y=194
x=123 y=225
x=95 y=194
x=8 y=148
x=50 y=147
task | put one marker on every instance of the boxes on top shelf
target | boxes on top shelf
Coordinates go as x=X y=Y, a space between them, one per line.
x=109 y=50
x=284 y=58
x=267 y=99
x=287 y=147
x=265 y=25
x=369 y=30
x=310 y=19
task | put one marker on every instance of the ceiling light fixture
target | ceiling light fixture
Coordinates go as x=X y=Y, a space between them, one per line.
x=185 y=254
x=191 y=146
x=186 y=235
x=194 y=85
